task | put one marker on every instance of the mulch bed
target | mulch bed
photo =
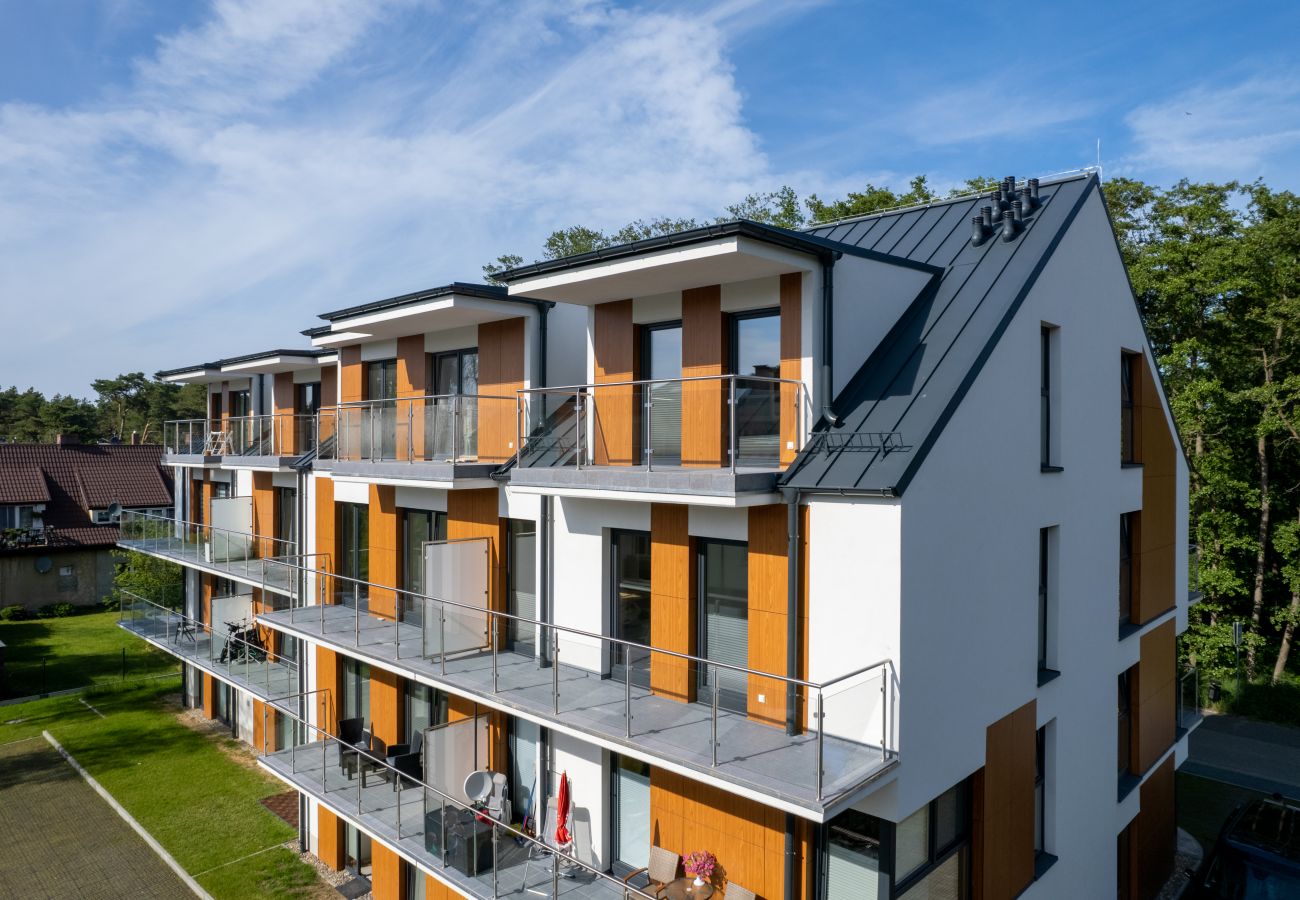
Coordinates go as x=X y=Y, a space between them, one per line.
x=283 y=805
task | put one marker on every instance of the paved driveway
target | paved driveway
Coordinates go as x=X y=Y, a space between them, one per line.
x=1256 y=755
x=61 y=840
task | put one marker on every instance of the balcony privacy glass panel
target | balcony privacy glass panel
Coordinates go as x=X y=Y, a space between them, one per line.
x=453 y=751
x=456 y=569
x=725 y=620
x=419 y=527
x=235 y=516
x=522 y=583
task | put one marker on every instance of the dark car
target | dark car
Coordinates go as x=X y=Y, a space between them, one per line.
x=1257 y=855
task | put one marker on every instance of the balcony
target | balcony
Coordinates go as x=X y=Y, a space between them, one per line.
x=238 y=555
x=704 y=436
x=260 y=441
x=434 y=438
x=701 y=717
x=235 y=661
x=427 y=819
x=1189 y=701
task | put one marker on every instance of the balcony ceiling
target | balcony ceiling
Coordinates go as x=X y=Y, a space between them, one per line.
x=439 y=314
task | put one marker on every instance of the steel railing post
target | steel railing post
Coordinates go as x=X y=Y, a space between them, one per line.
x=884 y=713
x=495 y=625
x=627 y=687
x=580 y=425
x=731 y=416
x=649 y=427
x=398 y=776
x=455 y=427
x=494 y=860
x=442 y=637
x=410 y=431
x=714 y=738
x=555 y=669
x=821 y=738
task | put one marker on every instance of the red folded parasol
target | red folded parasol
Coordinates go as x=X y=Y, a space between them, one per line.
x=562 y=836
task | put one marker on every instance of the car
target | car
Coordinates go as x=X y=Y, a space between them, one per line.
x=1256 y=856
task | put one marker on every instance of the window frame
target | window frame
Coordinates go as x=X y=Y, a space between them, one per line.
x=1128 y=385
x=1129 y=522
x=618 y=867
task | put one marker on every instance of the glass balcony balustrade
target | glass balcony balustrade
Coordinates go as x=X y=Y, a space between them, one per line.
x=807 y=743
x=278 y=434
x=449 y=428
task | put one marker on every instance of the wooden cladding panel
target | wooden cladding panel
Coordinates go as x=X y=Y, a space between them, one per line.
x=329 y=839
x=1156 y=696
x=500 y=374
x=412 y=381
x=351 y=375
x=459 y=708
x=704 y=352
x=263 y=728
x=436 y=890
x=1153 y=835
x=328 y=668
x=263 y=505
x=1156 y=559
x=282 y=400
x=385 y=541
x=791 y=363
x=747 y=838
x=329 y=385
x=386 y=705
x=615 y=436
x=386 y=882
x=326 y=524
x=768 y=613
x=672 y=600
x=1004 y=806
x=209 y=696
x=205 y=598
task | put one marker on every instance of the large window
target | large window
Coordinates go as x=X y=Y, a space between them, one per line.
x=1128 y=525
x=521 y=584
x=525 y=742
x=630 y=831
x=930 y=849
x=354 y=542
x=1047 y=606
x=1127 y=393
x=15 y=517
x=661 y=357
x=379 y=424
x=241 y=403
x=756 y=353
x=629 y=592
x=1048 y=424
x=357 y=851
x=852 y=864
x=356 y=691
x=446 y=435
x=1124 y=748
x=1040 y=792
x=286 y=518
x=419 y=527
x=723 y=572
x=425 y=707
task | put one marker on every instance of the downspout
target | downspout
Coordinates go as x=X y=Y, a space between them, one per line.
x=828 y=340
x=791 y=869
x=792 y=609
x=544 y=542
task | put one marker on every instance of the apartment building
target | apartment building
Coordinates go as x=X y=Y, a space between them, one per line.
x=732 y=541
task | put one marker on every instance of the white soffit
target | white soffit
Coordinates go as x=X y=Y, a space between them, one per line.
x=270 y=365
x=439 y=314
x=713 y=262
x=196 y=376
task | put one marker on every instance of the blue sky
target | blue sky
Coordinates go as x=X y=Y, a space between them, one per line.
x=181 y=181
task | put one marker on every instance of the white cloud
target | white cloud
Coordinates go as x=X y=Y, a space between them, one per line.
x=283 y=159
x=1240 y=131
x=986 y=109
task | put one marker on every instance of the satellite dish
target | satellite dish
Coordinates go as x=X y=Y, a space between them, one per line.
x=43 y=564
x=478 y=786
x=114 y=510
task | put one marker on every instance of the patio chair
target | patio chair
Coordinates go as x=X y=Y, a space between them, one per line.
x=351 y=733
x=736 y=892
x=661 y=870
x=373 y=756
x=547 y=837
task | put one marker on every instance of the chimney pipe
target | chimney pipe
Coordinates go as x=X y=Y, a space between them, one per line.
x=58 y=439
x=135 y=438
x=987 y=213
x=1018 y=213
x=1033 y=187
x=978 y=231
x=1009 y=226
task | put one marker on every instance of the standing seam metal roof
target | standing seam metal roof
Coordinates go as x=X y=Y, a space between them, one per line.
x=914 y=380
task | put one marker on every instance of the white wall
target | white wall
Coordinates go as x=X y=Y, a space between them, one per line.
x=566 y=344
x=869 y=297
x=589 y=788
x=421 y=498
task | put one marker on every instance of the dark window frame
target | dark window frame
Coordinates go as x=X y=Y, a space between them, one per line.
x=1124 y=737
x=701 y=616
x=618 y=669
x=434 y=358
x=733 y=334
x=1045 y=392
x=1040 y=792
x=619 y=868
x=1044 y=575
x=1128 y=416
x=1128 y=524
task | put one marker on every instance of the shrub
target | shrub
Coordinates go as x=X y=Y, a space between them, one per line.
x=56 y=610
x=13 y=613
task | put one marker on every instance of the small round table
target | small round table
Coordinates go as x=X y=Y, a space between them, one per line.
x=685 y=889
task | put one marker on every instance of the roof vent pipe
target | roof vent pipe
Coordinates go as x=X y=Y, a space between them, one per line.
x=1009 y=227
x=978 y=231
x=1018 y=213
x=987 y=213
x=1033 y=189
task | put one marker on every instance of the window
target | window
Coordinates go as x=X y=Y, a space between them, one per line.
x=1040 y=792
x=851 y=862
x=15 y=517
x=1123 y=872
x=241 y=403
x=1127 y=389
x=1124 y=746
x=630 y=833
x=286 y=517
x=629 y=593
x=67 y=571
x=1044 y=549
x=525 y=739
x=723 y=573
x=1128 y=525
x=453 y=373
x=425 y=708
x=354 y=541
x=416 y=882
x=356 y=691
x=521 y=584
x=356 y=851
x=379 y=421
x=1048 y=425
x=306 y=400
x=755 y=345
x=930 y=848
x=661 y=357
x=221 y=490
x=419 y=527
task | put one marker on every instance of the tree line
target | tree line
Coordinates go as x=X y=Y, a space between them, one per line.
x=124 y=405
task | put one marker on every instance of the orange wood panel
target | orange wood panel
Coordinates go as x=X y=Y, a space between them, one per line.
x=672 y=601
x=329 y=385
x=205 y=598
x=747 y=838
x=459 y=708
x=205 y=501
x=979 y=826
x=282 y=407
x=328 y=668
x=385 y=539
x=500 y=374
x=412 y=382
x=386 y=882
x=704 y=352
x=791 y=363
x=329 y=839
x=1156 y=696
x=259 y=731
x=768 y=613
x=1153 y=835
x=436 y=890
x=351 y=375
x=615 y=344
x=209 y=701
x=1005 y=803
x=263 y=510
x=386 y=705
x=1155 y=548
x=805 y=519
x=326 y=537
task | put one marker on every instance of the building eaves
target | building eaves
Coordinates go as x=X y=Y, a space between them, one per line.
x=816 y=245
x=458 y=288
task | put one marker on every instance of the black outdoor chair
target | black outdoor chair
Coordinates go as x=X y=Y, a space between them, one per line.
x=351 y=734
x=373 y=754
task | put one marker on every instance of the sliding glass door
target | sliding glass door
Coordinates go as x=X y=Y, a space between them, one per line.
x=521 y=585
x=419 y=527
x=379 y=426
x=630 y=831
x=723 y=590
x=629 y=592
x=662 y=356
x=452 y=422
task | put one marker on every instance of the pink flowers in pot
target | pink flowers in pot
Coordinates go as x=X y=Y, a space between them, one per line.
x=701 y=864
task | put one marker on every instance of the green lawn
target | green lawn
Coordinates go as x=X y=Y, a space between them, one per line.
x=196 y=793
x=79 y=650
x=1204 y=805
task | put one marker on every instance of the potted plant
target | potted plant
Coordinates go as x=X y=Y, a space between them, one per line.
x=700 y=864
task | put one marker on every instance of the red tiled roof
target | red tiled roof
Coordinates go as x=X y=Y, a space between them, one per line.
x=80 y=477
x=23 y=484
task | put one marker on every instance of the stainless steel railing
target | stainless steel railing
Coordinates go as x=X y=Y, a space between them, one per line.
x=273 y=434
x=760 y=421
x=435 y=428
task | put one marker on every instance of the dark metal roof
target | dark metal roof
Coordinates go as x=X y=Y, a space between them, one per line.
x=317 y=331
x=464 y=289
x=314 y=352
x=895 y=407
x=167 y=373
x=804 y=242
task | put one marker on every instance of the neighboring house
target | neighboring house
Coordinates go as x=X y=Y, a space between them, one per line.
x=57 y=529
x=856 y=556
